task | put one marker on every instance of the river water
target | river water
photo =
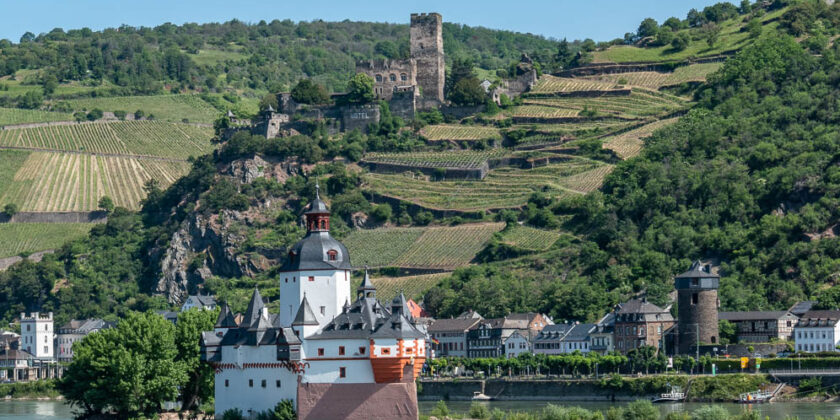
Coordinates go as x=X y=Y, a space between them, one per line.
x=56 y=410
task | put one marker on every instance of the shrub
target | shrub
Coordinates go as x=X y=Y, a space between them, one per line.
x=10 y=209
x=479 y=411
x=139 y=114
x=233 y=414
x=95 y=114
x=441 y=410
x=710 y=412
x=641 y=410
x=381 y=212
x=681 y=41
x=120 y=115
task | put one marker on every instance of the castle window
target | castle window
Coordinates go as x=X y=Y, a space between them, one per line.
x=404 y=77
x=332 y=255
x=251 y=383
x=342 y=372
x=361 y=350
x=341 y=350
x=277 y=383
x=320 y=351
x=378 y=78
x=311 y=278
x=262 y=383
x=323 y=310
x=694 y=298
x=227 y=383
x=386 y=351
x=393 y=77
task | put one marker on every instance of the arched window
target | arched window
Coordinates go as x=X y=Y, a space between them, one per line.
x=393 y=77
x=332 y=255
x=378 y=78
x=292 y=256
x=404 y=77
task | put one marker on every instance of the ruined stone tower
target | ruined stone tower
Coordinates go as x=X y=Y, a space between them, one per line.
x=427 y=51
x=697 y=306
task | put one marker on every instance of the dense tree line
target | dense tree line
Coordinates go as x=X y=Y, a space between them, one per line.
x=748 y=179
x=264 y=56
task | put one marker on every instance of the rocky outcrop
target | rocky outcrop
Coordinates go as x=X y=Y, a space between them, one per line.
x=211 y=245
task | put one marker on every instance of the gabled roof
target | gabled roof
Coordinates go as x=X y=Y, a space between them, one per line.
x=304 y=315
x=819 y=319
x=800 y=308
x=416 y=310
x=698 y=271
x=579 y=332
x=205 y=300
x=554 y=332
x=754 y=315
x=639 y=306
x=470 y=314
x=453 y=325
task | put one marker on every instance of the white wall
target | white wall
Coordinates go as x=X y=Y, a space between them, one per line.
x=330 y=290
x=37 y=335
x=240 y=387
x=816 y=339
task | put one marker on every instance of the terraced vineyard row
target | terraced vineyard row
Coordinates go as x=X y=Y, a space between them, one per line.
x=526 y=237
x=174 y=108
x=502 y=188
x=151 y=138
x=588 y=181
x=534 y=110
x=553 y=84
x=448 y=159
x=9 y=116
x=414 y=287
x=448 y=132
x=638 y=104
x=74 y=182
x=629 y=144
x=19 y=238
x=420 y=247
x=656 y=80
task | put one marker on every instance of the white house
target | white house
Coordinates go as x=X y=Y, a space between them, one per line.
x=549 y=340
x=75 y=331
x=331 y=357
x=199 y=301
x=578 y=339
x=516 y=344
x=37 y=335
x=817 y=331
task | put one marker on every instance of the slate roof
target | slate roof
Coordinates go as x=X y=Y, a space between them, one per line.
x=579 y=332
x=638 y=310
x=554 y=332
x=84 y=326
x=800 y=308
x=453 y=325
x=317 y=206
x=304 y=315
x=819 y=319
x=367 y=318
x=698 y=271
x=205 y=300
x=752 y=315
x=255 y=309
x=13 y=354
x=310 y=253
x=226 y=318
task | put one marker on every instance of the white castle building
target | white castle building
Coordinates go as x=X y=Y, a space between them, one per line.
x=333 y=355
x=37 y=335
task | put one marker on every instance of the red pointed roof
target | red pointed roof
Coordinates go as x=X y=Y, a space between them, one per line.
x=416 y=310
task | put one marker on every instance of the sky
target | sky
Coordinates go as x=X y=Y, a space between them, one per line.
x=600 y=20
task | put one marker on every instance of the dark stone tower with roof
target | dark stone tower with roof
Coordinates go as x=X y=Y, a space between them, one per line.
x=697 y=306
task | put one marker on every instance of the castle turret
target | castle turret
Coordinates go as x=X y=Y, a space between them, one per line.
x=318 y=266
x=426 y=48
x=37 y=335
x=697 y=305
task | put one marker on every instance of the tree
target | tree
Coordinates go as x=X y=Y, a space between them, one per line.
x=745 y=7
x=681 y=41
x=27 y=37
x=727 y=331
x=381 y=212
x=95 y=114
x=674 y=23
x=462 y=68
x=31 y=100
x=641 y=410
x=754 y=28
x=308 y=92
x=829 y=299
x=10 y=209
x=647 y=28
x=129 y=369
x=564 y=54
x=106 y=204
x=467 y=92
x=188 y=329
x=49 y=84
x=711 y=33
x=269 y=100
x=360 y=89
x=665 y=37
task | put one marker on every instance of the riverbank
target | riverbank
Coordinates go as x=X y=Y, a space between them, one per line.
x=721 y=388
x=35 y=390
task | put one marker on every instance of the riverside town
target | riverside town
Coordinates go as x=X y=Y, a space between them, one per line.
x=336 y=211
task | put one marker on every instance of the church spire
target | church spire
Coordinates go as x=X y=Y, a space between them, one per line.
x=366 y=289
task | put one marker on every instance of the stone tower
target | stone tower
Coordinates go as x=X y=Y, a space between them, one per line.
x=697 y=305
x=427 y=51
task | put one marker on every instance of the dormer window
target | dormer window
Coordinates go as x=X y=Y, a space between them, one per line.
x=332 y=255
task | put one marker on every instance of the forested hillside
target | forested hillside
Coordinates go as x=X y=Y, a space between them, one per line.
x=601 y=187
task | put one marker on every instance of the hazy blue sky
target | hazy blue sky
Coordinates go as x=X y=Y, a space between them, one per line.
x=574 y=19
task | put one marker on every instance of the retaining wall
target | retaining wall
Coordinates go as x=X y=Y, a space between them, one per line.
x=581 y=94
x=505 y=389
x=613 y=68
x=56 y=217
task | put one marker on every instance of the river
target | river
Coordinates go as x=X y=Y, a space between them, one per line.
x=56 y=410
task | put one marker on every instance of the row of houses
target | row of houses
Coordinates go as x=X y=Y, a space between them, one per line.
x=30 y=354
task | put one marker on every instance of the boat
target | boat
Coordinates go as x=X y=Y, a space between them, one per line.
x=675 y=395
x=755 y=397
x=480 y=396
